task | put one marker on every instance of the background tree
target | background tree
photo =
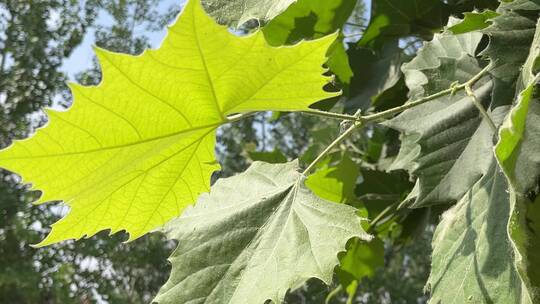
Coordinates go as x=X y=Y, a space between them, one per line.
x=37 y=36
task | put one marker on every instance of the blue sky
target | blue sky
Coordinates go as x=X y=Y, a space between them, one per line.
x=81 y=58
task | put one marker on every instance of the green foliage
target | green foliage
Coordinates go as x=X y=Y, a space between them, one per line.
x=31 y=77
x=171 y=159
x=380 y=73
x=360 y=261
x=516 y=155
x=255 y=236
x=395 y=18
x=452 y=132
x=515 y=150
x=308 y=19
x=335 y=182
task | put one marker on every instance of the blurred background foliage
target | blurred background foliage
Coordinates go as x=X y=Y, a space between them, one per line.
x=376 y=38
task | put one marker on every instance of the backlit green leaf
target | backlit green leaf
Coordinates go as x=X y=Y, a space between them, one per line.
x=335 y=182
x=361 y=260
x=255 y=236
x=134 y=151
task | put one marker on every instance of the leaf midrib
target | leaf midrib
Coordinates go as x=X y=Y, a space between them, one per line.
x=148 y=140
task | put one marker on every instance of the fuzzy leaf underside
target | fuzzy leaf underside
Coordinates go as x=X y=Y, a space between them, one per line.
x=519 y=137
x=517 y=154
x=446 y=140
x=254 y=237
x=472 y=255
x=486 y=246
x=134 y=151
x=238 y=12
x=510 y=38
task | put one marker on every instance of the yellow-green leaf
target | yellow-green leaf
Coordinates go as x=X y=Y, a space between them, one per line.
x=134 y=151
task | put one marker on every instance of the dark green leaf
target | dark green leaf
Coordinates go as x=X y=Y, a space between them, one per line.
x=374 y=73
x=308 y=19
x=397 y=18
x=273 y=157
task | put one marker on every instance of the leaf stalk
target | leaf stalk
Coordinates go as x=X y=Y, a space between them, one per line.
x=480 y=108
x=361 y=121
x=357 y=124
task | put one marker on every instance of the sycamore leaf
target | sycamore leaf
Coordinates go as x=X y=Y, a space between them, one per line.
x=306 y=19
x=519 y=136
x=134 y=151
x=517 y=154
x=472 y=254
x=530 y=237
x=446 y=142
x=254 y=237
x=527 y=5
x=473 y=21
x=519 y=139
x=524 y=232
x=238 y=12
x=510 y=38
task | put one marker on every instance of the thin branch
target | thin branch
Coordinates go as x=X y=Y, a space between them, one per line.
x=360 y=121
x=412 y=104
x=334 y=144
x=382 y=215
x=356 y=25
x=238 y=117
x=353 y=35
x=333 y=115
x=333 y=294
x=480 y=108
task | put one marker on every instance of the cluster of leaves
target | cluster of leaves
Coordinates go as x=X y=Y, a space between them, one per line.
x=137 y=151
